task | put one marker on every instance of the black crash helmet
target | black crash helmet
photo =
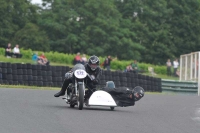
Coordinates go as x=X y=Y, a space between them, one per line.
x=138 y=93
x=93 y=62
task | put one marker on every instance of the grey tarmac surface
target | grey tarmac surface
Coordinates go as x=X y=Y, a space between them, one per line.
x=37 y=111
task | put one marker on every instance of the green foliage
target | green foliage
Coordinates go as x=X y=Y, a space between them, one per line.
x=68 y=59
x=160 y=69
x=27 y=54
x=2 y=51
x=30 y=35
x=149 y=31
x=14 y=16
x=119 y=65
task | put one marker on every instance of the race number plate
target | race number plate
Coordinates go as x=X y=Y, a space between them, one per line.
x=80 y=74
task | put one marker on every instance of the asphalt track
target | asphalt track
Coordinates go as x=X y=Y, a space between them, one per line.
x=37 y=111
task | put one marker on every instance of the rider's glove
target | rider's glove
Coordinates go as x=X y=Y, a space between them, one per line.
x=92 y=77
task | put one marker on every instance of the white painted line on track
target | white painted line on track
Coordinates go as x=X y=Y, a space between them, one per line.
x=197 y=115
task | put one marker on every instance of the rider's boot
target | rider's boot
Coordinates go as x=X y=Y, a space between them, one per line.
x=63 y=89
x=61 y=92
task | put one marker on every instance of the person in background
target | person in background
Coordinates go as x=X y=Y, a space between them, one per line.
x=175 y=65
x=35 y=57
x=77 y=59
x=135 y=66
x=8 y=51
x=169 y=64
x=42 y=60
x=107 y=62
x=129 y=68
x=16 y=52
x=84 y=59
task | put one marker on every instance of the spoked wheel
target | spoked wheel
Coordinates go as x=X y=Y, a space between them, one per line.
x=80 y=100
x=112 y=108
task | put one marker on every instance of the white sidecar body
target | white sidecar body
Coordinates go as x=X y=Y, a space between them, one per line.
x=101 y=98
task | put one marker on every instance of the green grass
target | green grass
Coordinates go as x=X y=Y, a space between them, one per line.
x=21 y=60
x=163 y=76
x=29 y=87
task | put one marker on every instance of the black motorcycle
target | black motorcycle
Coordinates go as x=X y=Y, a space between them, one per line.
x=76 y=89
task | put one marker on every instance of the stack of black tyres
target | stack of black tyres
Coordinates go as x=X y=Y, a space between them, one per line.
x=53 y=76
x=33 y=75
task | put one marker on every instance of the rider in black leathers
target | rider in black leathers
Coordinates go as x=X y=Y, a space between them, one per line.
x=123 y=96
x=93 y=69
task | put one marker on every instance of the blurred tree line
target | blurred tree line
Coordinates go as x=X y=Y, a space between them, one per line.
x=149 y=31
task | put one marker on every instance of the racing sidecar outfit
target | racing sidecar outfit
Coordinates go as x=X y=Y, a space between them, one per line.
x=123 y=96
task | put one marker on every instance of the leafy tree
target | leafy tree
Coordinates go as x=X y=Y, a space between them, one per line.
x=185 y=25
x=149 y=31
x=31 y=37
x=149 y=24
x=14 y=15
x=89 y=26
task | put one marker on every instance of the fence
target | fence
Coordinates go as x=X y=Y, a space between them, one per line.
x=188 y=87
x=189 y=68
x=53 y=76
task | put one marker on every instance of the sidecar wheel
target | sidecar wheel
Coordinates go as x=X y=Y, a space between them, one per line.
x=112 y=108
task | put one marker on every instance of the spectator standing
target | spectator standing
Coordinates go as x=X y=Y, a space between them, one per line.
x=16 y=52
x=8 y=51
x=175 y=65
x=107 y=63
x=135 y=66
x=77 y=59
x=84 y=59
x=169 y=64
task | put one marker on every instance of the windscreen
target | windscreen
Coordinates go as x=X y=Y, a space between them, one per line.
x=78 y=66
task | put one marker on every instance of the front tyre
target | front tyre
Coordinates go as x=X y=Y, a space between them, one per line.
x=81 y=97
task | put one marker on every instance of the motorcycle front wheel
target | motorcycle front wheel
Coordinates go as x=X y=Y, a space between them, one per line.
x=81 y=97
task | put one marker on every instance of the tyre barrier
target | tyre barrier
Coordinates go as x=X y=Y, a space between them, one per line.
x=53 y=76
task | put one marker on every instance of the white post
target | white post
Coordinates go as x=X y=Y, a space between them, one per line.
x=185 y=68
x=180 y=77
x=199 y=74
x=191 y=65
x=195 y=66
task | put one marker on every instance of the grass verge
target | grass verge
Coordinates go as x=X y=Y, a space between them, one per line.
x=24 y=61
x=29 y=87
x=47 y=88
